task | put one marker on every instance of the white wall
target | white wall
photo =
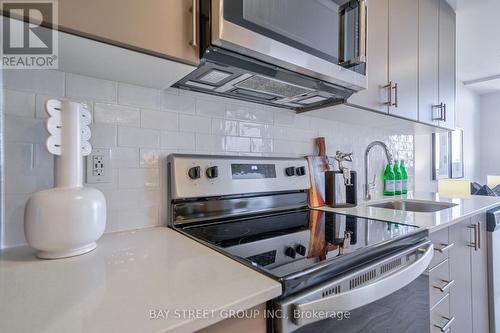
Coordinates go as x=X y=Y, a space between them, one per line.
x=141 y=126
x=468 y=118
x=490 y=135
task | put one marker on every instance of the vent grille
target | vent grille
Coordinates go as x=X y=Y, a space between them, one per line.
x=334 y=290
x=271 y=86
x=390 y=266
x=363 y=278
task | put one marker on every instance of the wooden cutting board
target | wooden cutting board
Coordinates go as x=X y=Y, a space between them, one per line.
x=318 y=164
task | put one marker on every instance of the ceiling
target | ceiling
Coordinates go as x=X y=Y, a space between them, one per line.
x=478 y=44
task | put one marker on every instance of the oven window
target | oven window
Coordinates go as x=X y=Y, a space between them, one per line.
x=311 y=26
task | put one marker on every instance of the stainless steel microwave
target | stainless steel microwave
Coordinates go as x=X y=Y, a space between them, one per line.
x=300 y=54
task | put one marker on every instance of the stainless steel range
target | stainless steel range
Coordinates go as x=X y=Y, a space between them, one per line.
x=254 y=210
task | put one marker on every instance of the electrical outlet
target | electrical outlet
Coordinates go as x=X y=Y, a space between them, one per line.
x=98 y=166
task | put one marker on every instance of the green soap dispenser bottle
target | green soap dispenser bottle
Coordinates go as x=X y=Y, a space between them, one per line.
x=389 y=180
x=397 y=179
x=404 y=178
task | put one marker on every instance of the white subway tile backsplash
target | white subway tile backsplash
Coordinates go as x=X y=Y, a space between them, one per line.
x=209 y=143
x=178 y=103
x=78 y=86
x=138 y=96
x=116 y=114
x=162 y=120
x=48 y=82
x=197 y=124
x=141 y=126
x=177 y=140
x=124 y=157
x=255 y=130
x=103 y=135
x=24 y=129
x=18 y=103
x=237 y=144
x=138 y=137
x=19 y=156
x=224 y=127
x=150 y=158
x=253 y=112
x=14 y=219
x=138 y=178
x=258 y=145
x=206 y=107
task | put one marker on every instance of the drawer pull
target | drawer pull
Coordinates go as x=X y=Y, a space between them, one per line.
x=445 y=327
x=445 y=247
x=447 y=285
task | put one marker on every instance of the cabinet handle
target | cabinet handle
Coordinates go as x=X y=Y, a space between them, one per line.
x=194 y=42
x=479 y=235
x=447 y=285
x=445 y=247
x=389 y=87
x=395 y=104
x=445 y=327
x=444 y=112
x=475 y=244
x=440 y=107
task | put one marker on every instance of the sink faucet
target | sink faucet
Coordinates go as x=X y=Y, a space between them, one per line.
x=369 y=186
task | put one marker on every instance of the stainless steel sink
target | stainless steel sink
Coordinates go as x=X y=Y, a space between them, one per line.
x=414 y=205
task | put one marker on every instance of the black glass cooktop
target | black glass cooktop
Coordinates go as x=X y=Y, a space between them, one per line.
x=285 y=244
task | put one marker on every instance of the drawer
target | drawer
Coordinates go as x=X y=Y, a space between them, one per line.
x=442 y=245
x=439 y=281
x=440 y=316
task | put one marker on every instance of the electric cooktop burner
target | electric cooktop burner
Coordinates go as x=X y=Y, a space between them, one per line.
x=283 y=244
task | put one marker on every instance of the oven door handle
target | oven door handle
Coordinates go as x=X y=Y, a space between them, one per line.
x=365 y=294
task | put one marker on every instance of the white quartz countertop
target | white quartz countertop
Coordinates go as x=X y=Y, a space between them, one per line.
x=465 y=207
x=114 y=288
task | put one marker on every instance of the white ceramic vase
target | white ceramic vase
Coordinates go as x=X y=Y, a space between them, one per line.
x=66 y=220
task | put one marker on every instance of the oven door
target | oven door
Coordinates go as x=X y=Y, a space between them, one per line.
x=324 y=39
x=389 y=296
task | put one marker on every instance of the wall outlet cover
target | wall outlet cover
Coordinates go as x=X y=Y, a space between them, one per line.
x=98 y=166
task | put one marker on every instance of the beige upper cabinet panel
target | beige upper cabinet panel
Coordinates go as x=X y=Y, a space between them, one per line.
x=159 y=27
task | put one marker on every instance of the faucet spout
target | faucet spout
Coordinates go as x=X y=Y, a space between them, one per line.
x=369 y=186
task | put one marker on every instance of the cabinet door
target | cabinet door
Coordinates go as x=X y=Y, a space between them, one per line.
x=375 y=97
x=447 y=63
x=428 y=59
x=480 y=318
x=460 y=271
x=162 y=28
x=403 y=57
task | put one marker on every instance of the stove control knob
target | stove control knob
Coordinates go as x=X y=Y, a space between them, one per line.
x=194 y=172
x=300 y=249
x=212 y=172
x=300 y=171
x=290 y=252
x=290 y=171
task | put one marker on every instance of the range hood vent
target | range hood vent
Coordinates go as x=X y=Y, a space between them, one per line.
x=233 y=75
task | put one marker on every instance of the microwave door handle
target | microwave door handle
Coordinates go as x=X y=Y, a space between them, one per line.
x=360 y=56
x=366 y=294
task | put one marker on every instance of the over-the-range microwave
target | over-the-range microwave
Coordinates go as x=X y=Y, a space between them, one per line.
x=297 y=54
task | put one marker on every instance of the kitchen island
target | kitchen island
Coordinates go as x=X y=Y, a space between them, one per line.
x=148 y=280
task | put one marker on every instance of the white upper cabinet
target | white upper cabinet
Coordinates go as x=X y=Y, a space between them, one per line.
x=411 y=61
x=403 y=57
x=428 y=55
x=447 y=61
x=376 y=96
x=437 y=63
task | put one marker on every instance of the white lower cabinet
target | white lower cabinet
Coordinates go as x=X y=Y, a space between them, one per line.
x=458 y=278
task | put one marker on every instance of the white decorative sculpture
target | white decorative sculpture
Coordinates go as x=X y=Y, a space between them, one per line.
x=68 y=219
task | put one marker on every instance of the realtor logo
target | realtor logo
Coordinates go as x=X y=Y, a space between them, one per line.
x=28 y=40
